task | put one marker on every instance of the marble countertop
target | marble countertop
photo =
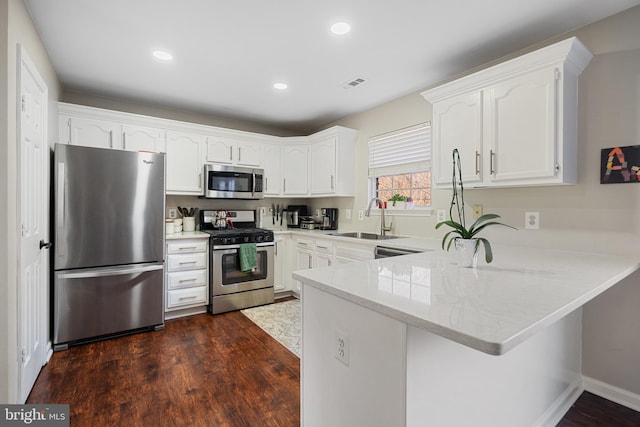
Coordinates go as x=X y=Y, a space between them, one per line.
x=491 y=308
x=187 y=235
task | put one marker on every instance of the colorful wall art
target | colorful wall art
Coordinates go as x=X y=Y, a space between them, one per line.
x=620 y=165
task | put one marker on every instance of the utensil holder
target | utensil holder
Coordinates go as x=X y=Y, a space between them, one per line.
x=189 y=223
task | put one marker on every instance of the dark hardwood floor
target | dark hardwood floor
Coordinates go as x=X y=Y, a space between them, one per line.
x=200 y=371
x=208 y=371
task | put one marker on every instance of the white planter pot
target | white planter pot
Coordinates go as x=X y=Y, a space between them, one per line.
x=400 y=205
x=467 y=252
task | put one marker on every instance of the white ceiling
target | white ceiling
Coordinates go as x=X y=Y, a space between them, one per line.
x=228 y=54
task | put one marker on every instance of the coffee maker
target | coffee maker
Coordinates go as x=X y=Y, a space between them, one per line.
x=294 y=214
x=329 y=219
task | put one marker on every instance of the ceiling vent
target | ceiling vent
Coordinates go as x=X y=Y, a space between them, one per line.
x=353 y=83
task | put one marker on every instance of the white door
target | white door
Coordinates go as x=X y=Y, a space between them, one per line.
x=294 y=170
x=142 y=138
x=184 y=163
x=33 y=211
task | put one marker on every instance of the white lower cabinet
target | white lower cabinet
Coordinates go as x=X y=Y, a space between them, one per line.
x=350 y=252
x=187 y=275
x=282 y=264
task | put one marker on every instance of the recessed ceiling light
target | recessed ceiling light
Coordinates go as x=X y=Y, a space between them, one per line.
x=340 y=28
x=280 y=85
x=161 y=54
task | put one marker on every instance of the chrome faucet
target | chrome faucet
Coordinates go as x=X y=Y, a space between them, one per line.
x=383 y=227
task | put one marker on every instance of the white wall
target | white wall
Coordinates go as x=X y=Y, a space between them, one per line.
x=20 y=30
x=588 y=216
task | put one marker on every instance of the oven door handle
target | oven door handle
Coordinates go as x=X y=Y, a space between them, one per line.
x=233 y=248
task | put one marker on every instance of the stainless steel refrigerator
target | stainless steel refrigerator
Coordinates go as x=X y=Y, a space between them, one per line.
x=109 y=243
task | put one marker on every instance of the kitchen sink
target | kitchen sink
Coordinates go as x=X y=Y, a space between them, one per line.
x=362 y=235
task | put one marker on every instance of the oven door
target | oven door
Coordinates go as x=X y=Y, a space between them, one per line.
x=226 y=276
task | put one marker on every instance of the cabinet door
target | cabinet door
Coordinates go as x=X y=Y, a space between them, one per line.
x=304 y=261
x=521 y=127
x=272 y=164
x=143 y=138
x=184 y=163
x=249 y=154
x=322 y=165
x=294 y=170
x=219 y=150
x=457 y=123
x=93 y=133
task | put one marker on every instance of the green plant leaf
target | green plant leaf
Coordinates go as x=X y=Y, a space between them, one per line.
x=488 y=254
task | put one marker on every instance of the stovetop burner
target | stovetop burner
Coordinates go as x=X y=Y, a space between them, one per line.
x=244 y=230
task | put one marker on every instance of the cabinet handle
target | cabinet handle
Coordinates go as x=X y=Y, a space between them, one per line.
x=184 y=248
x=491 y=160
x=332 y=184
x=276 y=249
x=188 y=262
x=310 y=266
x=302 y=244
x=477 y=163
x=191 y=297
x=239 y=154
x=321 y=247
x=284 y=185
x=266 y=183
x=231 y=153
x=187 y=280
x=329 y=263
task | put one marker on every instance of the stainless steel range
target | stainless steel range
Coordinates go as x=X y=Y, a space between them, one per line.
x=230 y=287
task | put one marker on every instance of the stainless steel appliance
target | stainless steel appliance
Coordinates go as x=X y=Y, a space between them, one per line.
x=386 y=252
x=295 y=214
x=109 y=243
x=232 y=182
x=231 y=288
x=329 y=219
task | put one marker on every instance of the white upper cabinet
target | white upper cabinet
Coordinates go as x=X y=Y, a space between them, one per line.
x=185 y=160
x=514 y=124
x=318 y=165
x=295 y=170
x=447 y=116
x=272 y=164
x=89 y=132
x=143 y=138
x=233 y=152
x=322 y=165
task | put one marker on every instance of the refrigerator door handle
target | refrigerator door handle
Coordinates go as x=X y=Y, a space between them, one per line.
x=60 y=249
x=107 y=272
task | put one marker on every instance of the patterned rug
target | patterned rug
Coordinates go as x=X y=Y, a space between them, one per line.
x=281 y=320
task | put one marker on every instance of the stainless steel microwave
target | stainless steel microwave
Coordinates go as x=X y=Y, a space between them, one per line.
x=232 y=182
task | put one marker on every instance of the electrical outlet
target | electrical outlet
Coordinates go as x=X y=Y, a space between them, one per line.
x=532 y=220
x=361 y=215
x=477 y=211
x=441 y=215
x=263 y=210
x=347 y=214
x=173 y=212
x=341 y=342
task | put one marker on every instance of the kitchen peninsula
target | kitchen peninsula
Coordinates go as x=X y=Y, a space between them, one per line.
x=417 y=340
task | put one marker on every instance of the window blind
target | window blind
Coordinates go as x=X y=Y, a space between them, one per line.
x=403 y=151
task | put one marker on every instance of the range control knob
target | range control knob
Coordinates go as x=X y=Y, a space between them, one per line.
x=259 y=238
x=246 y=239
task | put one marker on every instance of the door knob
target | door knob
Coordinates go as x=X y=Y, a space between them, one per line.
x=44 y=245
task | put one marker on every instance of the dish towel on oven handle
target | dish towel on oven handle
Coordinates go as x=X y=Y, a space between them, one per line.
x=248 y=257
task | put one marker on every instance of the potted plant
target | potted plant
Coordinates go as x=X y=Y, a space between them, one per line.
x=398 y=198
x=464 y=239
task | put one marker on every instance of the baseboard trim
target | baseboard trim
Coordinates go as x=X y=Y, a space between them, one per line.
x=612 y=393
x=561 y=405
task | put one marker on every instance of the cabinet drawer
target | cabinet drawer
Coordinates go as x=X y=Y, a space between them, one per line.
x=187 y=261
x=184 y=297
x=324 y=246
x=304 y=243
x=185 y=279
x=180 y=247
